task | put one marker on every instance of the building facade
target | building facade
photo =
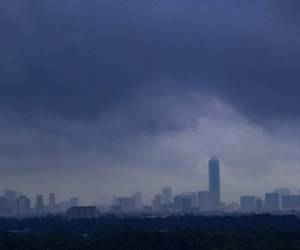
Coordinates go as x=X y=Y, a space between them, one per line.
x=89 y=212
x=167 y=196
x=214 y=181
x=52 y=204
x=248 y=202
x=272 y=201
x=205 y=200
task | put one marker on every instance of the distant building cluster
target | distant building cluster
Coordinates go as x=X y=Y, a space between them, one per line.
x=165 y=202
x=16 y=204
x=207 y=201
x=87 y=212
x=281 y=200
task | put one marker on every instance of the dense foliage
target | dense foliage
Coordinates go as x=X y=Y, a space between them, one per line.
x=263 y=232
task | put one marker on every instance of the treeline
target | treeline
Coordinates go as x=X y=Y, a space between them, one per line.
x=263 y=232
x=49 y=224
x=156 y=240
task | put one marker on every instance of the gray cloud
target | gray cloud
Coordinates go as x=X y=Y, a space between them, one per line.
x=148 y=89
x=78 y=60
x=110 y=156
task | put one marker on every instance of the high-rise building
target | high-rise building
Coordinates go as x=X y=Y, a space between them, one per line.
x=39 y=206
x=74 y=202
x=233 y=206
x=11 y=197
x=214 y=180
x=23 y=206
x=63 y=206
x=185 y=201
x=126 y=204
x=137 y=199
x=291 y=202
x=272 y=201
x=205 y=200
x=52 y=204
x=167 y=196
x=259 y=204
x=282 y=191
x=157 y=202
x=248 y=202
x=4 y=209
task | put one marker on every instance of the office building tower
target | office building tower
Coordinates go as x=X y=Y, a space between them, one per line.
x=74 y=202
x=259 y=204
x=23 y=206
x=167 y=196
x=157 y=202
x=10 y=196
x=39 y=207
x=137 y=199
x=291 y=202
x=248 y=202
x=272 y=201
x=185 y=201
x=52 y=204
x=125 y=204
x=205 y=200
x=63 y=206
x=233 y=207
x=282 y=191
x=4 y=209
x=214 y=180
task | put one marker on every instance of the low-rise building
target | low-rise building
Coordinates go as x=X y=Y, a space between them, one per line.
x=88 y=212
x=248 y=202
x=291 y=202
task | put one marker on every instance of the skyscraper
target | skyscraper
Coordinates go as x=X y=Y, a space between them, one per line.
x=39 y=206
x=11 y=196
x=167 y=195
x=248 y=202
x=52 y=202
x=272 y=201
x=23 y=206
x=214 y=180
x=282 y=192
x=74 y=202
x=126 y=204
x=291 y=202
x=157 y=202
x=137 y=199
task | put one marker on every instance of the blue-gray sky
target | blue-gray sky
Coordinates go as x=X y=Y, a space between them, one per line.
x=138 y=94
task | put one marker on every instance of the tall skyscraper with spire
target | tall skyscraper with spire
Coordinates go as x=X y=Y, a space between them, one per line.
x=214 y=180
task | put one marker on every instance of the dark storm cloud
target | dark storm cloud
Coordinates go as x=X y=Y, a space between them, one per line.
x=149 y=88
x=79 y=59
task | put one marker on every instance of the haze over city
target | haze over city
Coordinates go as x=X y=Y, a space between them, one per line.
x=103 y=98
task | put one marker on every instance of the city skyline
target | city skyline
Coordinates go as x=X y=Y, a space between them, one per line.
x=213 y=185
x=208 y=200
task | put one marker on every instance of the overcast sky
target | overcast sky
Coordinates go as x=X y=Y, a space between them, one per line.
x=105 y=97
